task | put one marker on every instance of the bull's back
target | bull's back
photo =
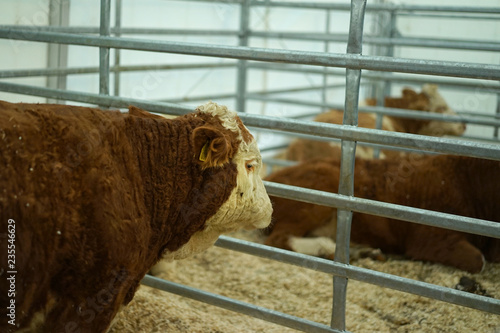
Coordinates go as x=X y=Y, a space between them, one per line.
x=61 y=165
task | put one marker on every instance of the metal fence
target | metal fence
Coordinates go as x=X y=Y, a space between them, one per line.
x=384 y=70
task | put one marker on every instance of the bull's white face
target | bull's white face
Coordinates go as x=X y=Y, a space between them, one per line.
x=248 y=205
x=438 y=105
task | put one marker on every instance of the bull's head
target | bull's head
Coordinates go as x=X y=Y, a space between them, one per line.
x=226 y=151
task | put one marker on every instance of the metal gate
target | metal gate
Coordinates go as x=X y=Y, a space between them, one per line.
x=384 y=69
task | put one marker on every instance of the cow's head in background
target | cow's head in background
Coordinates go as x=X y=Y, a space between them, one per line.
x=437 y=104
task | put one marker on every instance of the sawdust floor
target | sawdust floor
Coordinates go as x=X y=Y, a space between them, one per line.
x=303 y=293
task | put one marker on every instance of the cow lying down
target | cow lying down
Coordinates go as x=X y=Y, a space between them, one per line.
x=451 y=184
x=95 y=198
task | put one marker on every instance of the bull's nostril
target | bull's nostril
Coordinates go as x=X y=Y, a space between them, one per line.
x=241 y=194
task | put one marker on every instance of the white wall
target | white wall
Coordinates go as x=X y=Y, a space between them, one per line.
x=19 y=54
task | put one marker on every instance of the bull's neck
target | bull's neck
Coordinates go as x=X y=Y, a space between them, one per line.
x=164 y=157
x=178 y=195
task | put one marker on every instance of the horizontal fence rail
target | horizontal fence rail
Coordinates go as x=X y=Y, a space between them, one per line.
x=238 y=306
x=322 y=265
x=403 y=113
x=378 y=7
x=476 y=45
x=433 y=144
x=384 y=209
x=364 y=275
x=352 y=61
x=491 y=87
x=4 y=74
x=492 y=46
x=128 y=31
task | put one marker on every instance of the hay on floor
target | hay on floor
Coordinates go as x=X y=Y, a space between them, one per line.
x=303 y=293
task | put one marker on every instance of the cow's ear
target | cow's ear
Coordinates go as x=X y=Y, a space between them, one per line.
x=135 y=111
x=212 y=148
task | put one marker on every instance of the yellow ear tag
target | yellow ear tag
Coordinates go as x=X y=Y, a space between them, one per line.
x=204 y=152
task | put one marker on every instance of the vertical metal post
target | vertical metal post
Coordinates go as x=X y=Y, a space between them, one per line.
x=497 y=116
x=346 y=181
x=118 y=26
x=325 y=69
x=495 y=131
x=104 y=30
x=388 y=30
x=241 y=81
x=391 y=32
x=57 y=54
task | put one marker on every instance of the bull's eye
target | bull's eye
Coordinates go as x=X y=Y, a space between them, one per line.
x=250 y=166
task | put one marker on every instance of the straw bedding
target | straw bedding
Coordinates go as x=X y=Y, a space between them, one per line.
x=304 y=293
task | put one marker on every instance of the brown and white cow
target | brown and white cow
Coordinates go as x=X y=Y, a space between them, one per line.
x=450 y=184
x=428 y=100
x=95 y=198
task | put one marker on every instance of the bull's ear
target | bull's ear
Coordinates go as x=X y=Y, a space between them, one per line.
x=211 y=146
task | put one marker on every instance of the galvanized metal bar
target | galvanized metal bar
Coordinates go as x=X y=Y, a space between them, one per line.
x=353 y=61
x=330 y=37
x=363 y=144
x=378 y=7
x=104 y=30
x=495 y=134
x=118 y=24
x=384 y=87
x=217 y=1
x=492 y=46
x=95 y=99
x=279 y=162
x=371 y=7
x=326 y=48
x=381 y=29
x=480 y=138
x=233 y=95
x=384 y=280
x=378 y=125
x=127 y=30
x=385 y=209
x=473 y=16
x=497 y=114
x=488 y=86
x=89 y=70
x=348 y=152
x=57 y=55
x=392 y=32
x=457 y=44
x=297 y=89
x=212 y=97
x=433 y=144
x=403 y=113
x=241 y=79
x=237 y=306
